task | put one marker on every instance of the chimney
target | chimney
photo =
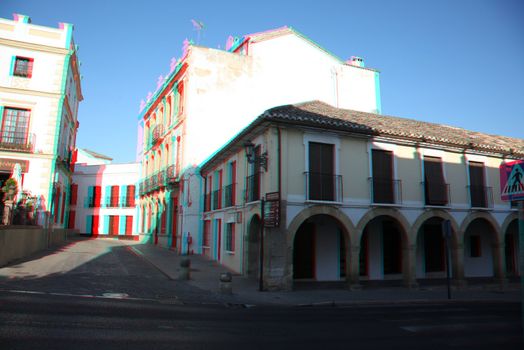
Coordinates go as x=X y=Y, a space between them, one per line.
x=21 y=18
x=356 y=61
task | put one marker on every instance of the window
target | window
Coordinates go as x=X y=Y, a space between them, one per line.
x=229 y=190
x=253 y=180
x=92 y=224
x=113 y=201
x=94 y=196
x=435 y=188
x=129 y=225
x=130 y=196
x=15 y=126
x=321 y=176
x=475 y=250
x=74 y=194
x=113 y=225
x=383 y=183
x=230 y=237
x=71 y=220
x=23 y=67
x=207 y=234
x=477 y=188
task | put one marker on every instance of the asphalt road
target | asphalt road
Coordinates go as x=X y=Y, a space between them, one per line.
x=43 y=321
x=100 y=295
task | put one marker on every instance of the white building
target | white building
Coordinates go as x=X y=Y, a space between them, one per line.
x=210 y=95
x=103 y=197
x=39 y=95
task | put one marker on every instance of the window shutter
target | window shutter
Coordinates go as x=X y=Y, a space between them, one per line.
x=122 y=223
x=105 y=228
x=89 y=224
x=74 y=194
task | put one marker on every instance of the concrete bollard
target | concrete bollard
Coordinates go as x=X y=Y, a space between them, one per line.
x=226 y=283
x=185 y=269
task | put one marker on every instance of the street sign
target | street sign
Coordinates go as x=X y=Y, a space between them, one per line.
x=512 y=180
x=272 y=210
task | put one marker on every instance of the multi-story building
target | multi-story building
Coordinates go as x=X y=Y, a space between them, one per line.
x=103 y=197
x=210 y=95
x=40 y=92
x=310 y=192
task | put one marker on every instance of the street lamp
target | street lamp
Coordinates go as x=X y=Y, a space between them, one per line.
x=252 y=157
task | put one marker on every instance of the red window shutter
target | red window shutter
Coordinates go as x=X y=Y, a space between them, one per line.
x=115 y=224
x=74 y=194
x=233 y=182
x=130 y=196
x=71 y=223
x=63 y=208
x=97 y=195
x=163 y=222
x=233 y=237
x=57 y=202
x=94 y=227
x=129 y=225
x=114 y=196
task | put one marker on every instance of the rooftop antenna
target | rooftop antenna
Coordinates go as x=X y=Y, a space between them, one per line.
x=198 y=26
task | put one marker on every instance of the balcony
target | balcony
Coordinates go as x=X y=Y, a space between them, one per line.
x=158 y=133
x=171 y=174
x=385 y=191
x=480 y=196
x=323 y=187
x=437 y=194
x=229 y=199
x=161 y=178
x=112 y=202
x=253 y=187
x=17 y=142
x=217 y=199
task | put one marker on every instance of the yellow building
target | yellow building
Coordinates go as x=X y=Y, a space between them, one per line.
x=358 y=197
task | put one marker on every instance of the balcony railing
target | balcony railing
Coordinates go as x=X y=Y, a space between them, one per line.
x=112 y=202
x=437 y=194
x=385 y=191
x=161 y=178
x=480 y=196
x=228 y=195
x=171 y=173
x=207 y=202
x=217 y=200
x=323 y=187
x=253 y=187
x=158 y=132
x=17 y=141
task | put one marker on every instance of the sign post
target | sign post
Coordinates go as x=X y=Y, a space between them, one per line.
x=512 y=189
x=446 y=232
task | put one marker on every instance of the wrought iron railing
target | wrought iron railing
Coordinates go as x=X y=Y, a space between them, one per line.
x=435 y=193
x=253 y=187
x=17 y=141
x=323 y=187
x=229 y=199
x=385 y=191
x=217 y=199
x=480 y=196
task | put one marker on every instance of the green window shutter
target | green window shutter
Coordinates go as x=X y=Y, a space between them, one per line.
x=108 y=196
x=105 y=229
x=122 y=223
x=123 y=194
x=90 y=195
x=89 y=223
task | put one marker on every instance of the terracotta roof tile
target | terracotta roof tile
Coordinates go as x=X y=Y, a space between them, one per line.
x=320 y=114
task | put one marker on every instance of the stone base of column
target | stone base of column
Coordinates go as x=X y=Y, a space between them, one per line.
x=459 y=283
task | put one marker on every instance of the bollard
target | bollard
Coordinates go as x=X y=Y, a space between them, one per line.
x=225 y=284
x=185 y=267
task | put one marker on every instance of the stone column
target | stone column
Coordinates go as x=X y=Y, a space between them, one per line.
x=499 y=265
x=409 y=260
x=457 y=265
x=353 y=270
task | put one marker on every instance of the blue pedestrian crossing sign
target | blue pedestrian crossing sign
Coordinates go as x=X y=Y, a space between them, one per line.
x=512 y=181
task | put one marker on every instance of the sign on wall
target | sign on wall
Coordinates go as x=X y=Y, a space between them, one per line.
x=272 y=210
x=512 y=180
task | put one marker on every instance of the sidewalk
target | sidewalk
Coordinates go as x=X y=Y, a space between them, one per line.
x=205 y=276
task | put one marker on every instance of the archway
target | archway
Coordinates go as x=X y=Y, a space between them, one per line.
x=319 y=249
x=511 y=239
x=382 y=247
x=431 y=250
x=480 y=253
x=253 y=247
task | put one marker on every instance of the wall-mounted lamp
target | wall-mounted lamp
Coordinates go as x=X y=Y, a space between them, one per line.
x=251 y=156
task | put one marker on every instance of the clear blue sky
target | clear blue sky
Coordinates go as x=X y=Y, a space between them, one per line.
x=457 y=62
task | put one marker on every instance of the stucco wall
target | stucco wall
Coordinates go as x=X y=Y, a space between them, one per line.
x=20 y=242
